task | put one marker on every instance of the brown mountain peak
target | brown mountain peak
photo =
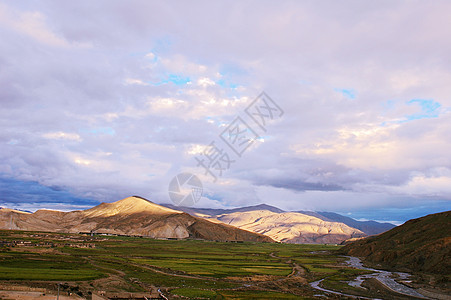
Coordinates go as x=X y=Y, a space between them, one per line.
x=129 y=205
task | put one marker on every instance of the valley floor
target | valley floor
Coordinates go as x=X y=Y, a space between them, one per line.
x=100 y=267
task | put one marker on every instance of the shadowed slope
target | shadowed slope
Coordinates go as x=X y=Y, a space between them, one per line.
x=422 y=244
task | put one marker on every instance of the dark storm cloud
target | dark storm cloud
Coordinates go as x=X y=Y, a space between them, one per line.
x=25 y=194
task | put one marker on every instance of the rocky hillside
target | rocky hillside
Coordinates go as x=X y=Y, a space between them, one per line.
x=129 y=216
x=287 y=227
x=422 y=244
x=316 y=233
x=291 y=227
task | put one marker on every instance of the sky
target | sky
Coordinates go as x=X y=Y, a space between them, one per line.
x=101 y=100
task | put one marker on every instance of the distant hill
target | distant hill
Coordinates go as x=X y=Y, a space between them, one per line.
x=291 y=227
x=282 y=226
x=129 y=216
x=422 y=244
x=368 y=227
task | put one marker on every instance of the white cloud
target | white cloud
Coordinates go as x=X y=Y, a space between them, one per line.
x=34 y=25
x=205 y=81
x=437 y=184
x=135 y=81
x=127 y=69
x=59 y=135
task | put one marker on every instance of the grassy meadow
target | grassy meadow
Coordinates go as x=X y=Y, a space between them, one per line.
x=181 y=269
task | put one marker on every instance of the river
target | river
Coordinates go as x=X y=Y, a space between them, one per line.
x=385 y=277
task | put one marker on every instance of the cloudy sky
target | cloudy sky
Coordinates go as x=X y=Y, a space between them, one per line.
x=101 y=100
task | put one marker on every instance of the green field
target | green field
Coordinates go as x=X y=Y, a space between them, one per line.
x=188 y=268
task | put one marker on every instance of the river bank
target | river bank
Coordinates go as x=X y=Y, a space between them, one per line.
x=386 y=278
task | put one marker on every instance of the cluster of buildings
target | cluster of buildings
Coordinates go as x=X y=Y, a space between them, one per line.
x=21 y=243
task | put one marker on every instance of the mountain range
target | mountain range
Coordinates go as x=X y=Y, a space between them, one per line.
x=141 y=217
x=368 y=227
x=291 y=227
x=129 y=216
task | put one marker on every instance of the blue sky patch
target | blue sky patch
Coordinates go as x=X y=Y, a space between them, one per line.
x=226 y=84
x=429 y=109
x=178 y=80
x=173 y=78
x=348 y=93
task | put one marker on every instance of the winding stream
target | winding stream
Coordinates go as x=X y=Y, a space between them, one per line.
x=315 y=285
x=384 y=277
